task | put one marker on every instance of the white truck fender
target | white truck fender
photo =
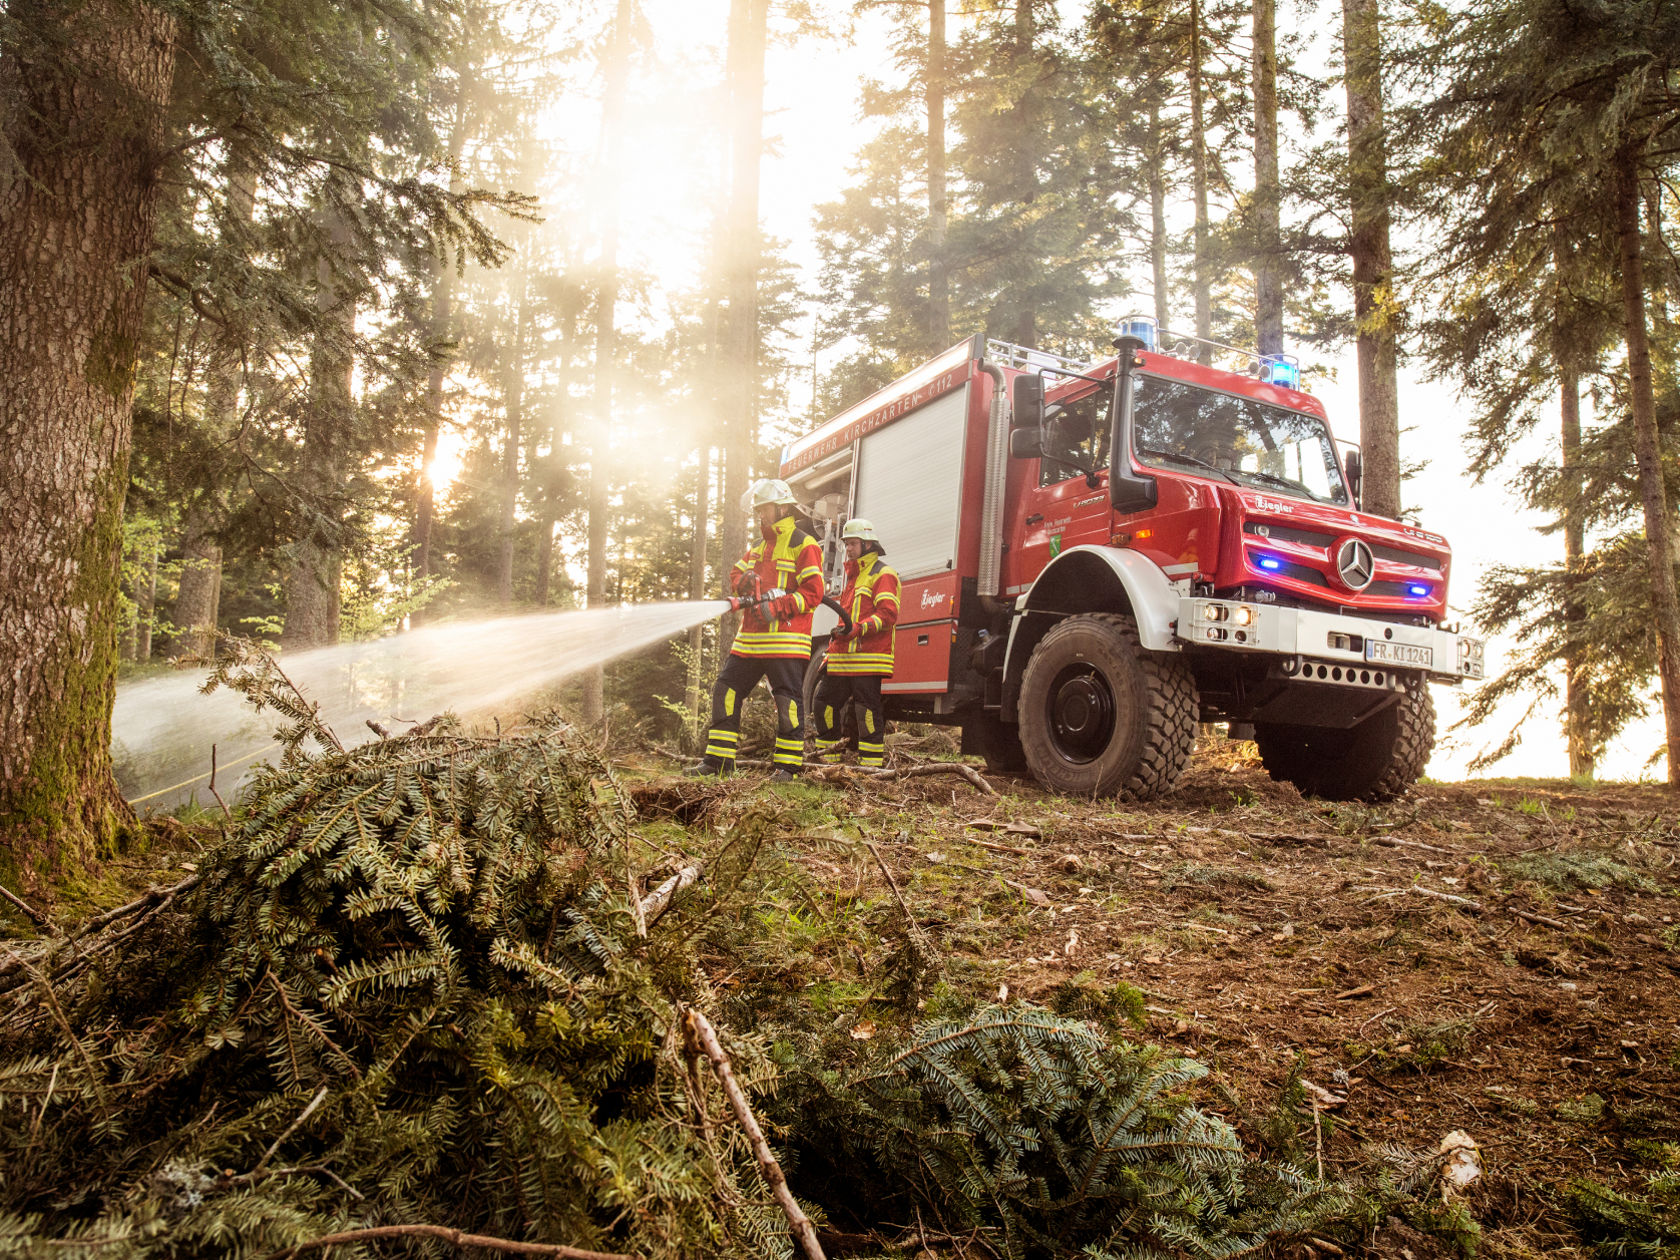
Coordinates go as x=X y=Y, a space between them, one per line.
x=1074 y=582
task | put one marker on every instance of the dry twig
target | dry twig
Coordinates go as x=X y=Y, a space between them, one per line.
x=35 y=916
x=698 y=1031
x=454 y=1237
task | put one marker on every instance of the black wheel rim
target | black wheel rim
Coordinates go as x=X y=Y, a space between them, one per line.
x=1081 y=716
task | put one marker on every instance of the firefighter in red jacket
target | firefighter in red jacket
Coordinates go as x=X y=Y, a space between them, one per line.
x=784 y=570
x=859 y=662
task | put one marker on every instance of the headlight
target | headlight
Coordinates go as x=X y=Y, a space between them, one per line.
x=1245 y=616
x=1470 y=657
x=1215 y=612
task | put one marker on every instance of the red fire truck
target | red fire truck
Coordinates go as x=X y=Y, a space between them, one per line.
x=1079 y=614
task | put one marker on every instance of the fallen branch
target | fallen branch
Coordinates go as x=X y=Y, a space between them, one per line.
x=697 y=1029
x=1394 y=842
x=1452 y=899
x=659 y=900
x=454 y=1237
x=35 y=916
x=891 y=882
x=938 y=767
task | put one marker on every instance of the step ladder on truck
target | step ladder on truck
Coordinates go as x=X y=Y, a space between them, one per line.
x=1096 y=557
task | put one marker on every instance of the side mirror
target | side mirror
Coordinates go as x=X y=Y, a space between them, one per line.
x=1025 y=444
x=1355 y=472
x=1026 y=395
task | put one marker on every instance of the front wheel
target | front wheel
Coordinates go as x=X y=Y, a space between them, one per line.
x=1100 y=716
x=1375 y=761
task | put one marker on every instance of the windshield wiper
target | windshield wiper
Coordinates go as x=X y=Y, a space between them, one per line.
x=1187 y=459
x=1275 y=480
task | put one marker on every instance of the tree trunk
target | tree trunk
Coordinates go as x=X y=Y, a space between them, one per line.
x=738 y=385
x=1157 y=175
x=1647 y=449
x=1024 y=329
x=1199 y=183
x=1373 y=265
x=198 y=599
x=1578 y=713
x=441 y=349
x=312 y=588
x=514 y=402
x=145 y=605
x=199 y=596
x=606 y=341
x=939 y=284
x=1268 y=248
x=697 y=587
x=83 y=143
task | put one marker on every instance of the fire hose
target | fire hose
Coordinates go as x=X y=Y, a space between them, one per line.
x=739 y=602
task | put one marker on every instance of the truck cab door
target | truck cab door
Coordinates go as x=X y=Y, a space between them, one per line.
x=1062 y=509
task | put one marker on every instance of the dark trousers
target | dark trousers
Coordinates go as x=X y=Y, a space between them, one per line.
x=739 y=675
x=863 y=690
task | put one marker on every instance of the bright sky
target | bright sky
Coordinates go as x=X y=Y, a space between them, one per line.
x=812 y=92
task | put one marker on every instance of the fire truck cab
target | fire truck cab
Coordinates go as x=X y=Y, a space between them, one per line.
x=1096 y=557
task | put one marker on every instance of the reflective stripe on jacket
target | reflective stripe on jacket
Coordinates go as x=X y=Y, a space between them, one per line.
x=871 y=598
x=789 y=559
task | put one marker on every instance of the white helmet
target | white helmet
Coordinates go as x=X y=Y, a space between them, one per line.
x=767 y=490
x=860 y=529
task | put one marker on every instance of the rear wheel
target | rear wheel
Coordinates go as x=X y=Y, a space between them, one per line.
x=1374 y=761
x=1100 y=716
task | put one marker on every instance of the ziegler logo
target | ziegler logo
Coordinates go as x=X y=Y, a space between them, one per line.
x=930 y=598
x=1273 y=505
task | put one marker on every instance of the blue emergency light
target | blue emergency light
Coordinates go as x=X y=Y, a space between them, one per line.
x=1281 y=369
x=1418 y=591
x=1271 y=562
x=1142 y=327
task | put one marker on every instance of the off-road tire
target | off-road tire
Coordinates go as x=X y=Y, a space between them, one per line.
x=1141 y=747
x=1375 y=761
x=1000 y=744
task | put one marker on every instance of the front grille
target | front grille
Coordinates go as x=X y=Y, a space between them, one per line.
x=1301 y=573
x=1390 y=590
x=1397 y=556
x=1288 y=533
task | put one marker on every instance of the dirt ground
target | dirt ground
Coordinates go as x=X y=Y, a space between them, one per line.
x=1497 y=957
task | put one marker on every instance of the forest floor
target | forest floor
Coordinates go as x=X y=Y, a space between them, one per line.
x=1497 y=957
x=1501 y=958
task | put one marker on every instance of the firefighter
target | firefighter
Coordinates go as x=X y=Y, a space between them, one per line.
x=783 y=570
x=859 y=661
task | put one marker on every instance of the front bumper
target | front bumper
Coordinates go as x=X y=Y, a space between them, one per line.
x=1308 y=638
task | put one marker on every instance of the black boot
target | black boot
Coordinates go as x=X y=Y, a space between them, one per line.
x=783 y=776
x=706 y=768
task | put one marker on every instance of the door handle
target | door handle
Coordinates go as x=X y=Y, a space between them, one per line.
x=1035 y=518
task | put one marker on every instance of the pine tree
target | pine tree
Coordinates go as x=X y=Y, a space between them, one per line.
x=1560 y=115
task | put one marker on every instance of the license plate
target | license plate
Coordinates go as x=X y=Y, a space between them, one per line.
x=1384 y=653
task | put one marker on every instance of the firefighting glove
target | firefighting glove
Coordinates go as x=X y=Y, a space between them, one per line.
x=839 y=635
x=787 y=607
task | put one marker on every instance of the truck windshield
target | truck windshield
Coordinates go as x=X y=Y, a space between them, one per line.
x=1180 y=425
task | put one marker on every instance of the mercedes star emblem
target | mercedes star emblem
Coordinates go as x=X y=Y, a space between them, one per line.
x=1355 y=563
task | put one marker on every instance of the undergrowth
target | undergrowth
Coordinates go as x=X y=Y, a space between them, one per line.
x=417 y=982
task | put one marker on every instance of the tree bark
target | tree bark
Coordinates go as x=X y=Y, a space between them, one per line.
x=1373 y=265
x=441 y=348
x=1578 y=714
x=1268 y=248
x=199 y=596
x=939 y=284
x=1199 y=188
x=145 y=605
x=1157 y=176
x=738 y=383
x=79 y=182
x=1659 y=537
x=606 y=341
x=313 y=597
x=513 y=395
x=696 y=698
